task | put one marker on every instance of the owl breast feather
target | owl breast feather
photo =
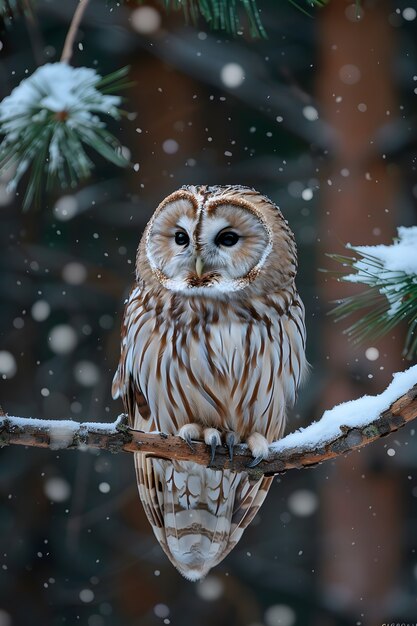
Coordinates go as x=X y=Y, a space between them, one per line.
x=213 y=364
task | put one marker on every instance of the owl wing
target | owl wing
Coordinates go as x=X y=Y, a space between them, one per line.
x=126 y=387
x=125 y=384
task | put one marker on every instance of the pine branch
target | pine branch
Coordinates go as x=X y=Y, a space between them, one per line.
x=50 y=119
x=390 y=274
x=118 y=437
x=225 y=14
x=72 y=31
x=220 y=14
x=311 y=3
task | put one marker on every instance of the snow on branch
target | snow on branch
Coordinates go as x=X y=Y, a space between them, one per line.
x=390 y=272
x=346 y=427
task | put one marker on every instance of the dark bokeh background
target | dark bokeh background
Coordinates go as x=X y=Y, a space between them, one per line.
x=325 y=124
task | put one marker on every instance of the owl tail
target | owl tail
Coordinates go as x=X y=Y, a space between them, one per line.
x=197 y=514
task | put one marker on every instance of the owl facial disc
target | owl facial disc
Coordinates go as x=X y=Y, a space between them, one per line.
x=203 y=240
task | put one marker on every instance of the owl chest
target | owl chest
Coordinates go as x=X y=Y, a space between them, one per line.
x=210 y=353
x=217 y=371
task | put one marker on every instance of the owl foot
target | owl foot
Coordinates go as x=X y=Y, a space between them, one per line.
x=212 y=438
x=190 y=432
x=258 y=445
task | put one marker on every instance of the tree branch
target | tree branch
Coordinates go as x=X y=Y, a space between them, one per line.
x=72 y=32
x=118 y=437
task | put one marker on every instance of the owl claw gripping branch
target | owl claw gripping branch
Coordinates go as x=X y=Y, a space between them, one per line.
x=213 y=348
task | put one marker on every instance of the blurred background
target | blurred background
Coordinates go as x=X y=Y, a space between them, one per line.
x=321 y=117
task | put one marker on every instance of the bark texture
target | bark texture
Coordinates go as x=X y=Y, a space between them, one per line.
x=119 y=437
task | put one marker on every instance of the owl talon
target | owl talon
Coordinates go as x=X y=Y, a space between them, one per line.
x=212 y=439
x=231 y=440
x=190 y=432
x=212 y=451
x=189 y=443
x=255 y=462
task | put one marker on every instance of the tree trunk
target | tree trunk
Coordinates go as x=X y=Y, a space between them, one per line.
x=361 y=545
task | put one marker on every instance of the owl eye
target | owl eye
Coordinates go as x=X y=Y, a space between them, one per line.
x=228 y=238
x=181 y=238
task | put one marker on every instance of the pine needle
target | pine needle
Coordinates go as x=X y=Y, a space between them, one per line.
x=391 y=299
x=220 y=14
x=49 y=120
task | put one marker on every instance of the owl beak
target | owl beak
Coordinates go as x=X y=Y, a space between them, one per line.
x=199 y=264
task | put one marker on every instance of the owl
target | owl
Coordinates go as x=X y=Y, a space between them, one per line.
x=213 y=348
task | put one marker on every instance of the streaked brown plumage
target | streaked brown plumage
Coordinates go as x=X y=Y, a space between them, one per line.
x=213 y=347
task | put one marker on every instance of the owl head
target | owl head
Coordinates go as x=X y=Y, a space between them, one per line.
x=217 y=240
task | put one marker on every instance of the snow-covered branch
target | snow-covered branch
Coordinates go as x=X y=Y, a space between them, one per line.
x=390 y=272
x=344 y=428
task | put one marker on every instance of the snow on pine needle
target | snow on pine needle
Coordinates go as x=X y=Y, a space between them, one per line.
x=391 y=274
x=50 y=119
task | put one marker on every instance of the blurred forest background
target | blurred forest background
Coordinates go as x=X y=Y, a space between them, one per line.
x=321 y=117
